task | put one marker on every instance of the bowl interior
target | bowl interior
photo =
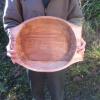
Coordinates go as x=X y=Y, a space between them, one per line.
x=45 y=39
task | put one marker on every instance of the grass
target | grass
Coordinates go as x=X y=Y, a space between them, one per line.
x=82 y=79
x=13 y=84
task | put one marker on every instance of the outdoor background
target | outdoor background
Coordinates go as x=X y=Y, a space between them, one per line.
x=82 y=79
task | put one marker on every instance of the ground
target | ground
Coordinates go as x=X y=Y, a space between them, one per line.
x=82 y=79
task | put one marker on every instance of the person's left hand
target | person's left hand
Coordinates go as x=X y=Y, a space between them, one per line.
x=80 y=41
x=81 y=46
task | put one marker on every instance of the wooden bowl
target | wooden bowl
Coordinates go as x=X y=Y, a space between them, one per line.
x=45 y=44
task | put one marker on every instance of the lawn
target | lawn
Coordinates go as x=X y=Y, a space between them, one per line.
x=82 y=79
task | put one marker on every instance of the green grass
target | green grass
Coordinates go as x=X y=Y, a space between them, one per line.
x=13 y=82
x=82 y=79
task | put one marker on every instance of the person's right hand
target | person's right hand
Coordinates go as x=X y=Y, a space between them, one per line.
x=11 y=51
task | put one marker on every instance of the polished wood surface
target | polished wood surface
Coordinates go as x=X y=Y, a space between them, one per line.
x=46 y=44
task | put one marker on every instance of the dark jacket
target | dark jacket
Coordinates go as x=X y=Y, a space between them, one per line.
x=17 y=11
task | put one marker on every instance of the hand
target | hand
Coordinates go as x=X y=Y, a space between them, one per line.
x=11 y=51
x=81 y=46
x=80 y=41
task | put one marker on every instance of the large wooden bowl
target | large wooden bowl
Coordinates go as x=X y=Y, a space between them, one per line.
x=45 y=44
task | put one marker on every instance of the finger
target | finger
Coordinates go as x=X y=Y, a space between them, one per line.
x=81 y=50
x=8 y=54
x=83 y=42
x=81 y=45
x=14 y=59
x=11 y=51
x=8 y=47
x=11 y=45
x=14 y=62
x=11 y=55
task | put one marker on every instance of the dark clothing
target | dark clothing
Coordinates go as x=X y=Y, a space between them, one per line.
x=54 y=81
x=17 y=11
x=45 y=3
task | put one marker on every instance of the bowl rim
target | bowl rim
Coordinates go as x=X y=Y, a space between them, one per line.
x=73 y=47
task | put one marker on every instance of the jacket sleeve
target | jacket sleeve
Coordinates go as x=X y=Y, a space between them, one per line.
x=75 y=13
x=12 y=14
